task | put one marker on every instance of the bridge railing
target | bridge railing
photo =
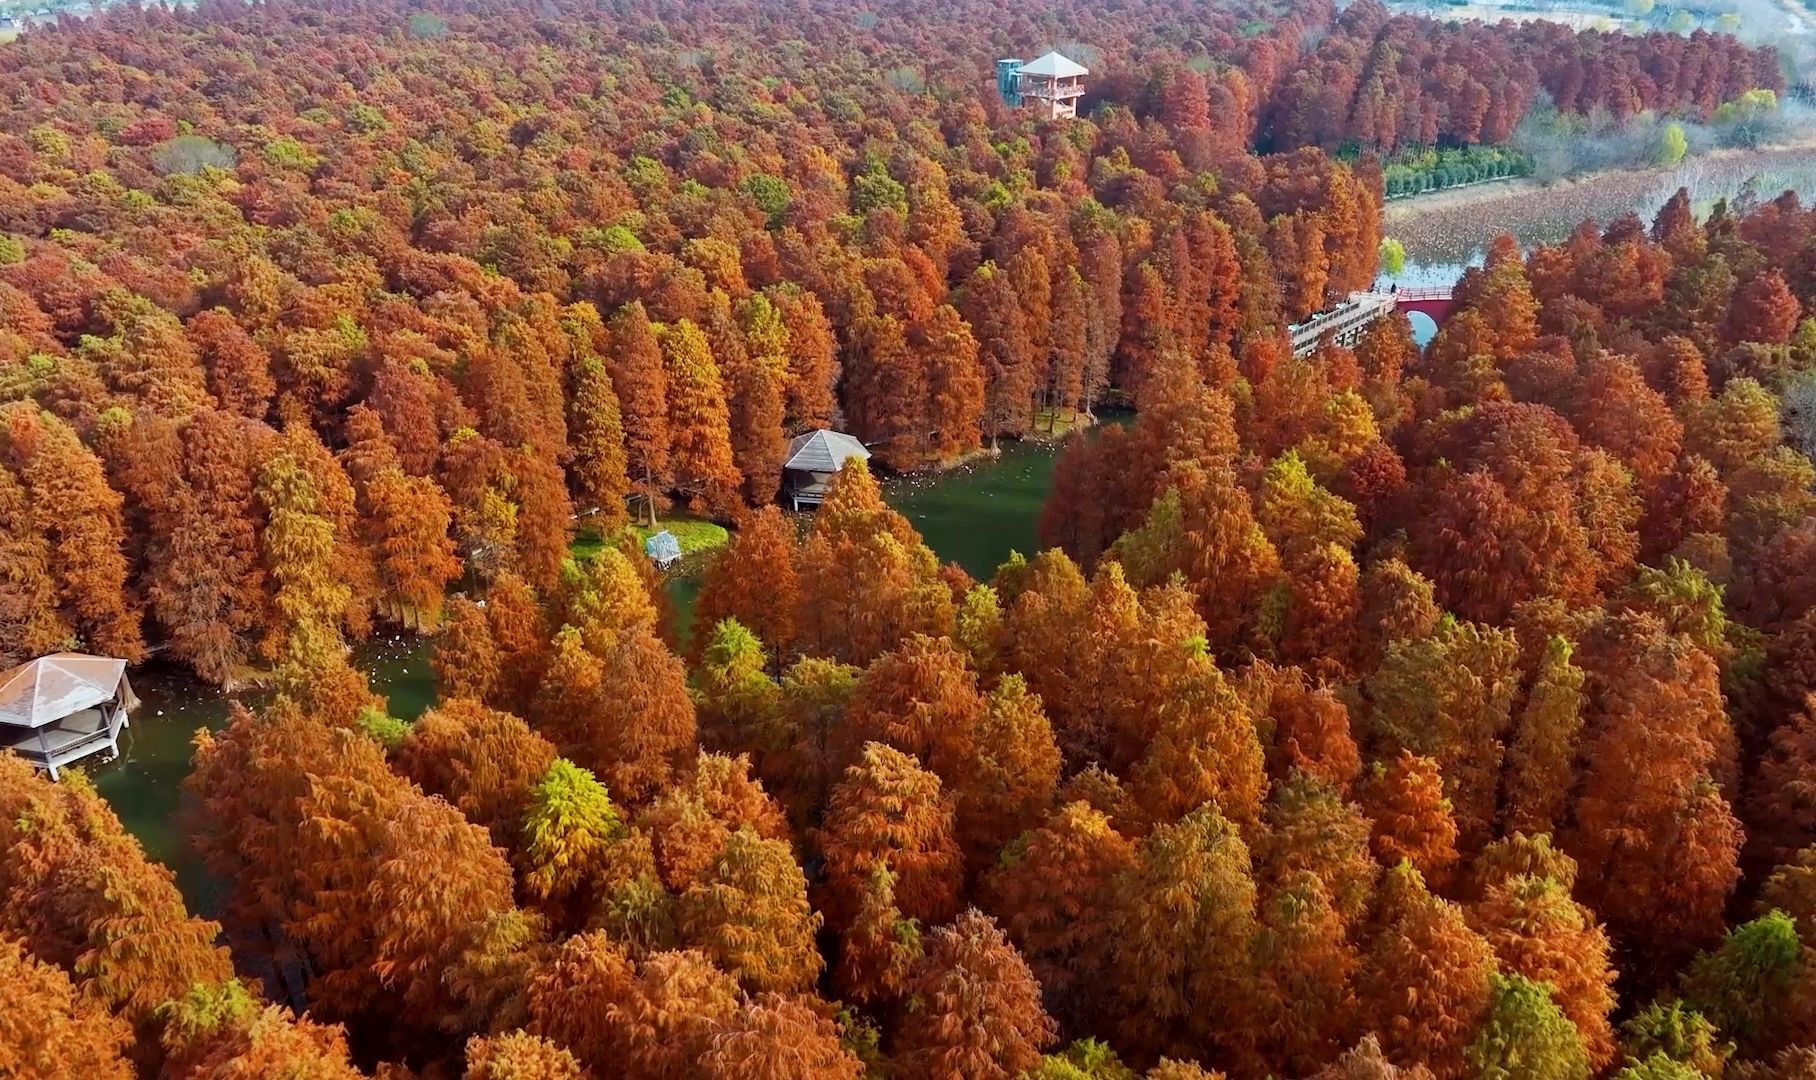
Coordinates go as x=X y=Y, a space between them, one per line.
x=1428 y=292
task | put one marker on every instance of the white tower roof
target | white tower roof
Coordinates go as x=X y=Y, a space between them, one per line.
x=1054 y=66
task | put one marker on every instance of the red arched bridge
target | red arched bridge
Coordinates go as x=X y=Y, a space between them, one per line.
x=1344 y=324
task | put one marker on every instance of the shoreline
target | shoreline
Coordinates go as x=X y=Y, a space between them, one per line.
x=1516 y=187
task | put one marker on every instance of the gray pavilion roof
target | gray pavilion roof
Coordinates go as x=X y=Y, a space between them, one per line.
x=47 y=689
x=1054 y=66
x=823 y=451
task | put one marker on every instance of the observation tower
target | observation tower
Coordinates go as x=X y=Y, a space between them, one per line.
x=1052 y=84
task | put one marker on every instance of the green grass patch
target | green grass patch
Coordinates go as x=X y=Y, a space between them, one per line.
x=696 y=536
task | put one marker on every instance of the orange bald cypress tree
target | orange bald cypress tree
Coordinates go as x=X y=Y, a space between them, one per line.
x=1541 y=758
x=866 y=579
x=921 y=699
x=222 y=1031
x=625 y=715
x=436 y=879
x=1053 y=892
x=30 y=624
x=520 y=1056
x=813 y=363
x=755 y=388
x=752 y=579
x=1311 y=829
x=90 y=902
x=689 y=824
x=1783 y=806
x=465 y=657
x=72 y=507
x=1311 y=732
x=885 y=390
x=1185 y=917
x=47 y=1030
x=1425 y=979
x=575 y=1000
x=352 y=862
x=634 y=363
x=408 y=518
x=976 y=1008
x=1205 y=750
x=1411 y=817
x=1005 y=347
x=209 y=591
x=776 y=1037
x=481 y=760
x=879 y=947
x=1203 y=528
x=598 y=464
x=1009 y=782
x=1538 y=931
x=1764 y=310
x=239 y=372
x=1305 y=967
x=1649 y=814
x=300 y=544
x=889 y=812
x=698 y=420
x=955 y=389
x=748 y=912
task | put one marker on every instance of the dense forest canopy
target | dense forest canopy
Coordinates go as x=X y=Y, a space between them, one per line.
x=1383 y=712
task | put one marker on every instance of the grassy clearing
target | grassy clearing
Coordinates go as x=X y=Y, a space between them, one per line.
x=697 y=536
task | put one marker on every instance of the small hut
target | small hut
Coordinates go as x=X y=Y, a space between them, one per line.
x=663 y=549
x=64 y=707
x=813 y=460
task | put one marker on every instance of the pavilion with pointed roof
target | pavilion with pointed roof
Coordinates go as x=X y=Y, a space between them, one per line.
x=64 y=707
x=1053 y=84
x=814 y=458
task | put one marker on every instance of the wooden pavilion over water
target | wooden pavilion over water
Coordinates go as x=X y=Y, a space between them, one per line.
x=64 y=707
x=813 y=460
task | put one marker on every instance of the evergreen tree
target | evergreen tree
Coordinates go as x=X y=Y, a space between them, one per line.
x=1748 y=986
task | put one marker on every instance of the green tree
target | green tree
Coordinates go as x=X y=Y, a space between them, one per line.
x=1527 y=1037
x=1671 y=146
x=1392 y=256
x=1745 y=986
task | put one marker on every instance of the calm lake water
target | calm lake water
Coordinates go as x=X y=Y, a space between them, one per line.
x=974 y=515
x=1441 y=240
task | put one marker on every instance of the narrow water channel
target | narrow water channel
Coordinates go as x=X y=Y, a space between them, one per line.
x=974 y=516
